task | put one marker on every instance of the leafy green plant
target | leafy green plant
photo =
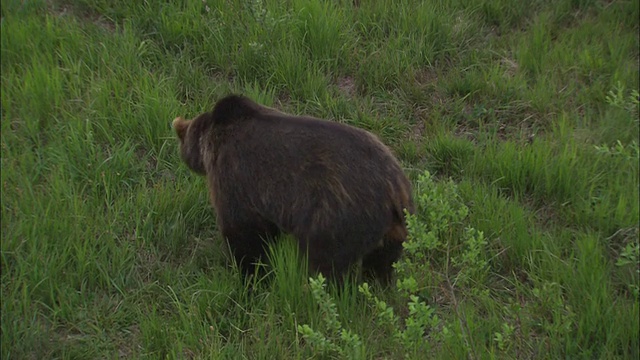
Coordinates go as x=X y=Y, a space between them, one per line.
x=435 y=234
x=504 y=338
x=618 y=97
x=630 y=255
x=558 y=318
x=436 y=225
x=630 y=152
x=338 y=340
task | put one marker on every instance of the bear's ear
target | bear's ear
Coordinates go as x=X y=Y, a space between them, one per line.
x=180 y=125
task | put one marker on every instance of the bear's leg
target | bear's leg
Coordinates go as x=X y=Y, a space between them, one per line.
x=332 y=264
x=248 y=244
x=379 y=262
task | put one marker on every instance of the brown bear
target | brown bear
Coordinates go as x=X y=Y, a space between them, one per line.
x=336 y=188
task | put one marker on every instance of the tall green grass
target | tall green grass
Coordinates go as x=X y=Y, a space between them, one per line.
x=109 y=244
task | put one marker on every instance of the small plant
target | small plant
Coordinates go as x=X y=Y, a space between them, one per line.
x=339 y=341
x=616 y=97
x=433 y=230
x=630 y=152
x=421 y=319
x=630 y=255
x=470 y=263
x=504 y=338
x=558 y=319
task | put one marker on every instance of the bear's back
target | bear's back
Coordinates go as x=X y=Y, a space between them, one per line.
x=294 y=143
x=283 y=163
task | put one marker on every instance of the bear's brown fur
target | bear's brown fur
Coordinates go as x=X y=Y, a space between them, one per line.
x=337 y=189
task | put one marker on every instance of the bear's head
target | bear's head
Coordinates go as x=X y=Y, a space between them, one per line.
x=190 y=133
x=194 y=134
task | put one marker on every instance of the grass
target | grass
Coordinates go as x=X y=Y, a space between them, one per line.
x=109 y=245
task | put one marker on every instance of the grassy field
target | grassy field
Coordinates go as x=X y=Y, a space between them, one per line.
x=525 y=245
